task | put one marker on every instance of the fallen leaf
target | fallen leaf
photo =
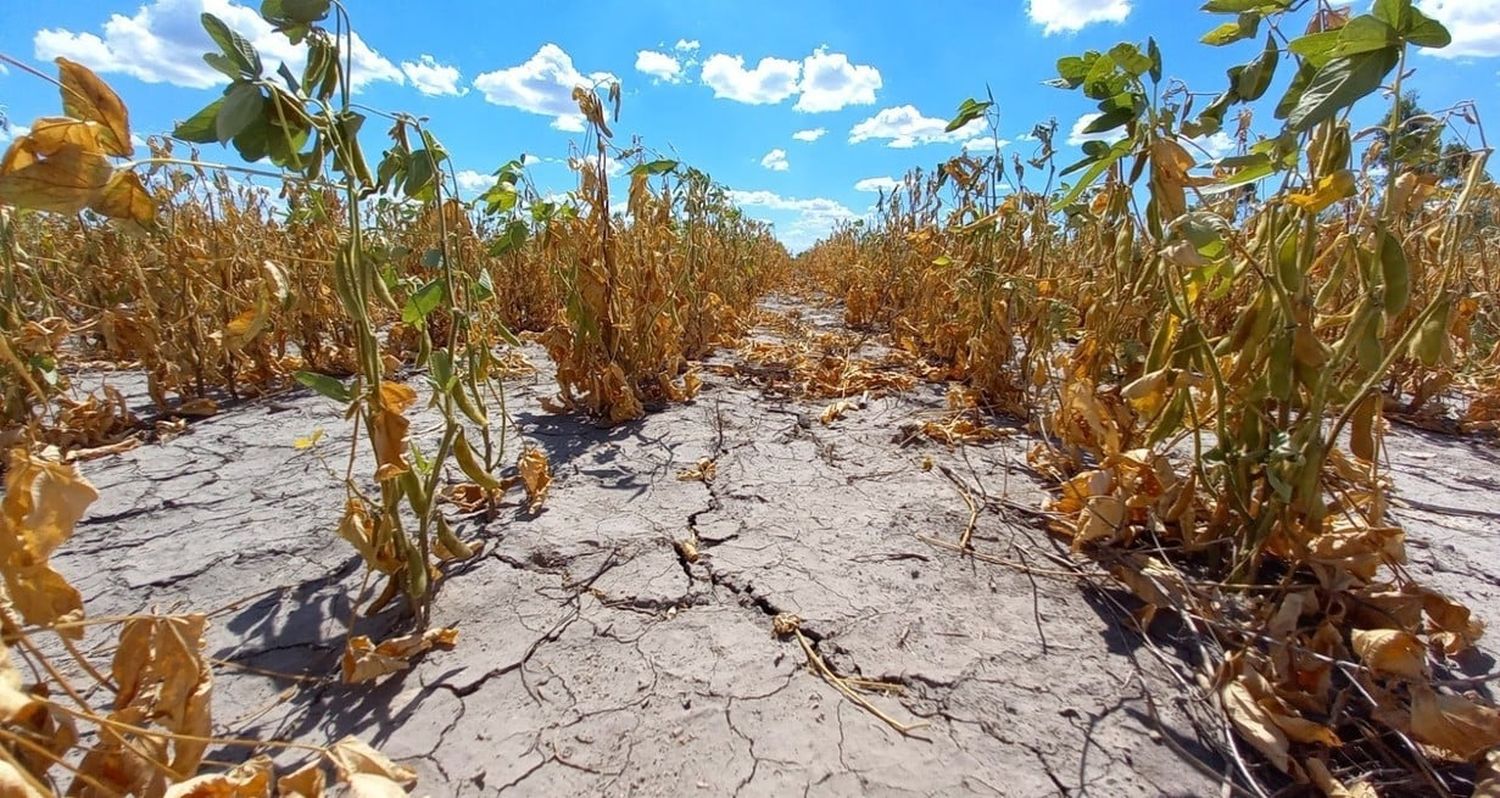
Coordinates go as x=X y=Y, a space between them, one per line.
x=250 y=780
x=1390 y=651
x=352 y=756
x=536 y=476
x=1453 y=723
x=365 y=661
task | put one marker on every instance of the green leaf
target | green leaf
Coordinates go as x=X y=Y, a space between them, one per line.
x=419 y=172
x=968 y=111
x=325 y=385
x=1396 y=13
x=201 y=128
x=1241 y=6
x=254 y=142
x=243 y=104
x=424 y=301
x=659 y=166
x=1109 y=120
x=1116 y=153
x=513 y=237
x=1425 y=31
x=1256 y=76
x=306 y=11
x=1130 y=58
x=1339 y=84
x=224 y=64
x=1154 y=53
x=1296 y=89
x=1245 y=27
x=484 y=287
x=236 y=47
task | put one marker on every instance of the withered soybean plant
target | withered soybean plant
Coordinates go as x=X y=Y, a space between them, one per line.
x=308 y=126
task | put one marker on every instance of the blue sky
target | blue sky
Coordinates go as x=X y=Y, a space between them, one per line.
x=802 y=108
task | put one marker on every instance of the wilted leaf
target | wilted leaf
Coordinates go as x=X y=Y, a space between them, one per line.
x=86 y=97
x=1390 y=651
x=250 y=780
x=359 y=529
x=1330 y=189
x=66 y=181
x=43 y=502
x=1255 y=724
x=388 y=429
x=308 y=782
x=536 y=476
x=365 y=660
x=20 y=784
x=1453 y=723
x=124 y=197
x=352 y=756
x=243 y=328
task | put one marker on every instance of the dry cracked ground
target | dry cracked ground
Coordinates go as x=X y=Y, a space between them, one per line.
x=594 y=658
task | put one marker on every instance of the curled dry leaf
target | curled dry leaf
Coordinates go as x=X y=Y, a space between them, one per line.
x=352 y=756
x=308 y=782
x=388 y=429
x=357 y=527
x=86 y=97
x=43 y=502
x=536 y=476
x=365 y=661
x=1453 y=723
x=250 y=780
x=1390 y=651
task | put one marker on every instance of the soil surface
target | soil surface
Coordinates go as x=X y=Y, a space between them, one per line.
x=595 y=658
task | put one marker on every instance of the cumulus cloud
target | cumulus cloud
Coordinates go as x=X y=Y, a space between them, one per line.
x=873 y=184
x=821 y=82
x=985 y=144
x=1066 y=16
x=163 y=42
x=771 y=81
x=775 y=160
x=830 y=82
x=472 y=181
x=904 y=126
x=543 y=84
x=686 y=45
x=661 y=66
x=1216 y=146
x=1076 y=136
x=1475 y=25
x=433 y=79
x=810 y=135
x=806 y=220
x=12 y=131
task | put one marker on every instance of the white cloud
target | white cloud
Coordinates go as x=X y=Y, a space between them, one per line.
x=433 y=79
x=1066 y=16
x=822 y=81
x=1076 y=136
x=542 y=85
x=775 y=160
x=686 y=44
x=830 y=82
x=164 y=43
x=470 y=180
x=904 y=126
x=810 y=135
x=12 y=131
x=873 y=184
x=1217 y=146
x=1475 y=25
x=809 y=219
x=658 y=65
x=771 y=81
x=985 y=144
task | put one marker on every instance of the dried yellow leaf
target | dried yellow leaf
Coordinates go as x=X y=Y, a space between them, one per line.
x=365 y=660
x=1254 y=723
x=43 y=502
x=66 y=181
x=1390 y=651
x=308 y=782
x=352 y=756
x=1453 y=723
x=250 y=780
x=536 y=476
x=125 y=197
x=86 y=97
x=388 y=429
x=1330 y=189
